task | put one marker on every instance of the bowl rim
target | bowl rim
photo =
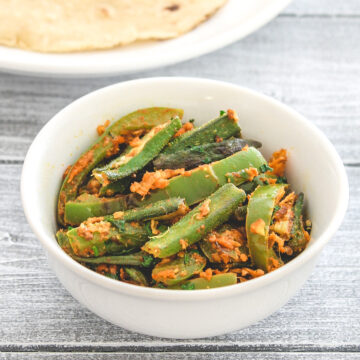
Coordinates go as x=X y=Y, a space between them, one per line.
x=51 y=246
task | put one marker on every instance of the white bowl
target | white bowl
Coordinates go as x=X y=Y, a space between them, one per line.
x=314 y=167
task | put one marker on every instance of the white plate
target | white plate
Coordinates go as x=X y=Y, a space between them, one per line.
x=236 y=20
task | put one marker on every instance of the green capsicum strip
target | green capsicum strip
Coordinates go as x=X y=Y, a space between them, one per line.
x=201 y=182
x=140 y=119
x=135 y=158
x=202 y=154
x=259 y=213
x=101 y=238
x=180 y=269
x=92 y=206
x=216 y=281
x=195 y=225
x=86 y=206
x=223 y=127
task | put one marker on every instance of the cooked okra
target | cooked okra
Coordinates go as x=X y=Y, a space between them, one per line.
x=163 y=204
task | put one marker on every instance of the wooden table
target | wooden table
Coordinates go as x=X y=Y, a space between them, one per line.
x=309 y=58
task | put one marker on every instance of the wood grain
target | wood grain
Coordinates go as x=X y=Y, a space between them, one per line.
x=292 y=59
x=308 y=58
x=36 y=311
x=183 y=356
x=324 y=8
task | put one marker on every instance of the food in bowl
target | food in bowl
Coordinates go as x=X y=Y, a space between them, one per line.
x=158 y=203
x=61 y=26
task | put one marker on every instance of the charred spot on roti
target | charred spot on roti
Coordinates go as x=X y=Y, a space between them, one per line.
x=173 y=7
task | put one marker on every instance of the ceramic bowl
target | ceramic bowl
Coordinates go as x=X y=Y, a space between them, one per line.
x=314 y=167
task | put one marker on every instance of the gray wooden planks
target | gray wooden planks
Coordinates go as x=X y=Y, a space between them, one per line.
x=308 y=58
x=37 y=313
x=350 y=8
x=182 y=356
x=292 y=59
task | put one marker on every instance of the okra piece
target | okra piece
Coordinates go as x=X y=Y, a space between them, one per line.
x=141 y=259
x=86 y=206
x=197 y=184
x=136 y=157
x=216 y=246
x=202 y=154
x=208 y=215
x=298 y=240
x=136 y=276
x=156 y=210
x=222 y=127
x=131 y=259
x=103 y=238
x=259 y=214
x=178 y=270
x=201 y=283
x=105 y=145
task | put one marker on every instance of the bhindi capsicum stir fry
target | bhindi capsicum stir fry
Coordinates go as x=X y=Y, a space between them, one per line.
x=158 y=203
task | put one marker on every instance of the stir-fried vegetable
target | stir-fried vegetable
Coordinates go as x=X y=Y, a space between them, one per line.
x=202 y=154
x=159 y=204
x=108 y=145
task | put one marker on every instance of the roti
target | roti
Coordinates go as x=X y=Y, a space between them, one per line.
x=79 y=25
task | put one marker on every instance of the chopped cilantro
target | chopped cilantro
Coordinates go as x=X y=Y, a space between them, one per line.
x=188 y=286
x=222 y=112
x=148 y=228
x=186 y=258
x=207 y=160
x=148 y=260
x=120 y=224
x=266 y=182
x=276 y=208
x=70 y=228
x=281 y=180
x=192 y=121
x=265 y=167
x=161 y=286
x=112 y=276
x=162 y=228
x=96 y=251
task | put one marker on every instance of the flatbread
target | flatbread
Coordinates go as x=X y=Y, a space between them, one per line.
x=78 y=25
